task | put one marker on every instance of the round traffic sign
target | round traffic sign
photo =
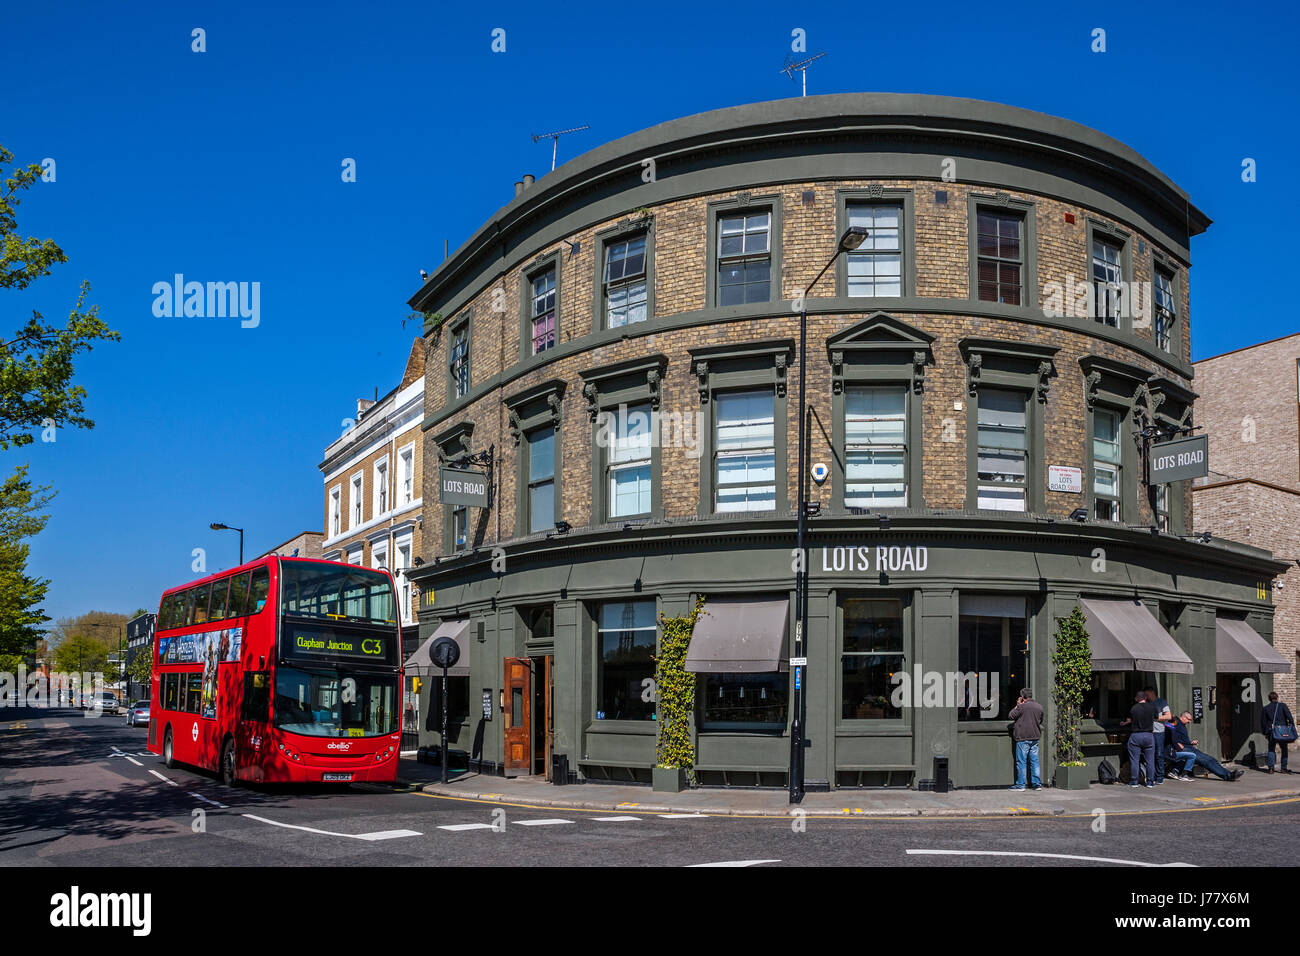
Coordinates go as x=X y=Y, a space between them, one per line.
x=445 y=652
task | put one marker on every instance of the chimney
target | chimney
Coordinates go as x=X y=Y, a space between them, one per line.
x=519 y=189
x=363 y=404
x=528 y=180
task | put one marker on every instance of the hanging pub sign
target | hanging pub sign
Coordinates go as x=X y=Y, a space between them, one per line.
x=1180 y=459
x=457 y=487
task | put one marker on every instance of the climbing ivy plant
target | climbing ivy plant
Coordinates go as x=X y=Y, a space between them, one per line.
x=676 y=687
x=1072 y=660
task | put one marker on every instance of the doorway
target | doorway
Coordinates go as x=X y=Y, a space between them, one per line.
x=1235 y=718
x=529 y=730
x=543 y=723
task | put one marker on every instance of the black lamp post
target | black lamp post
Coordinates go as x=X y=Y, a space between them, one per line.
x=218 y=526
x=850 y=240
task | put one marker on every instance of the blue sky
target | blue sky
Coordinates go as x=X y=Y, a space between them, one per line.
x=225 y=166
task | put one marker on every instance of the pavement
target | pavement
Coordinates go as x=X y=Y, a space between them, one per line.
x=1171 y=795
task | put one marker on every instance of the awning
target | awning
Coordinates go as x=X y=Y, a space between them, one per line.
x=1241 y=650
x=1125 y=636
x=455 y=629
x=740 y=636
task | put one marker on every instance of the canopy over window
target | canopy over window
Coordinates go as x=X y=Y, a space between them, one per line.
x=1240 y=650
x=456 y=630
x=740 y=636
x=1124 y=636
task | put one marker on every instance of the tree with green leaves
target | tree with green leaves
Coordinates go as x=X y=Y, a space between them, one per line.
x=140 y=670
x=21 y=517
x=1072 y=660
x=36 y=361
x=82 y=652
x=36 y=395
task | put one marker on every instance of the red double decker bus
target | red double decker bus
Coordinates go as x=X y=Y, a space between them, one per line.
x=284 y=669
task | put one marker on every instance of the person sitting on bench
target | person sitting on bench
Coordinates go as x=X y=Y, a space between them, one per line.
x=1187 y=757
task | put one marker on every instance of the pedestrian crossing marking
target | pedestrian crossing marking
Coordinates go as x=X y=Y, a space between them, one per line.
x=540 y=823
x=457 y=827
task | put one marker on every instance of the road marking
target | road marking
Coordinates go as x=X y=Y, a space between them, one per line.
x=118 y=753
x=1205 y=799
x=614 y=819
x=732 y=863
x=457 y=827
x=164 y=779
x=378 y=835
x=629 y=805
x=681 y=816
x=540 y=823
x=199 y=796
x=1051 y=856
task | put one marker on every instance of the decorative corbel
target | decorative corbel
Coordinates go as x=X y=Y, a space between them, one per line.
x=555 y=403
x=743 y=199
x=837 y=371
x=1044 y=381
x=1002 y=199
x=918 y=372
x=875 y=191
x=781 y=361
x=973 y=368
x=702 y=371
x=1090 y=385
x=652 y=380
x=516 y=426
x=592 y=394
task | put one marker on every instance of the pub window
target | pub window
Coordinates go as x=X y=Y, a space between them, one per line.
x=542 y=311
x=460 y=527
x=875 y=454
x=876 y=267
x=625 y=282
x=628 y=472
x=541 y=479
x=1166 y=312
x=625 y=640
x=457 y=705
x=871 y=655
x=744 y=701
x=1003 y=450
x=1107 y=279
x=744 y=266
x=1160 y=505
x=1106 y=464
x=744 y=452
x=459 y=364
x=1000 y=256
x=992 y=656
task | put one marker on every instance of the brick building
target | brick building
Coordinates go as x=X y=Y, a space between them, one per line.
x=304 y=545
x=373 y=481
x=617 y=349
x=1250 y=406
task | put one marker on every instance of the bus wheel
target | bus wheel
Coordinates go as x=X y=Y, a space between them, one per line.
x=169 y=758
x=227 y=766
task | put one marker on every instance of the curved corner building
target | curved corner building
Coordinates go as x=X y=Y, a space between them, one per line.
x=618 y=347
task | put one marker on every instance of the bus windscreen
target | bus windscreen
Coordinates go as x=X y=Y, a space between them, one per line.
x=336 y=593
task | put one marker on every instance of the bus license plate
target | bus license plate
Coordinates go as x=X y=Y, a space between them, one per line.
x=336 y=777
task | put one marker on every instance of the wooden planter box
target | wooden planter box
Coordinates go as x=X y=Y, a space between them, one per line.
x=1074 y=778
x=667 y=780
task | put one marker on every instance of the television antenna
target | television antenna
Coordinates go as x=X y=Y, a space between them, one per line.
x=555 y=139
x=801 y=66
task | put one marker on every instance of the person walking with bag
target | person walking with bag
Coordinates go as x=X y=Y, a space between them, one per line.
x=1279 y=727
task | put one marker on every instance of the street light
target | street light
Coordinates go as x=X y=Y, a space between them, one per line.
x=850 y=240
x=218 y=526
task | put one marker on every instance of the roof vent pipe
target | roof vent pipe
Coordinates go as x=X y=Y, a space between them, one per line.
x=528 y=180
x=519 y=188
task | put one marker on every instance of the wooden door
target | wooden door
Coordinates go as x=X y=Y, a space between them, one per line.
x=518 y=687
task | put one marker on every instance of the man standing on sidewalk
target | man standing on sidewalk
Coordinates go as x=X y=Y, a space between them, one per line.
x=1141 y=741
x=1028 y=715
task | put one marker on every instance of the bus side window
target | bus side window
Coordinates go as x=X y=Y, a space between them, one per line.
x=238 y=595
x=165 y=613
x=219 y=591
x=257 y=696
x=201 y=604
x=184 y=608
x=261 y=587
